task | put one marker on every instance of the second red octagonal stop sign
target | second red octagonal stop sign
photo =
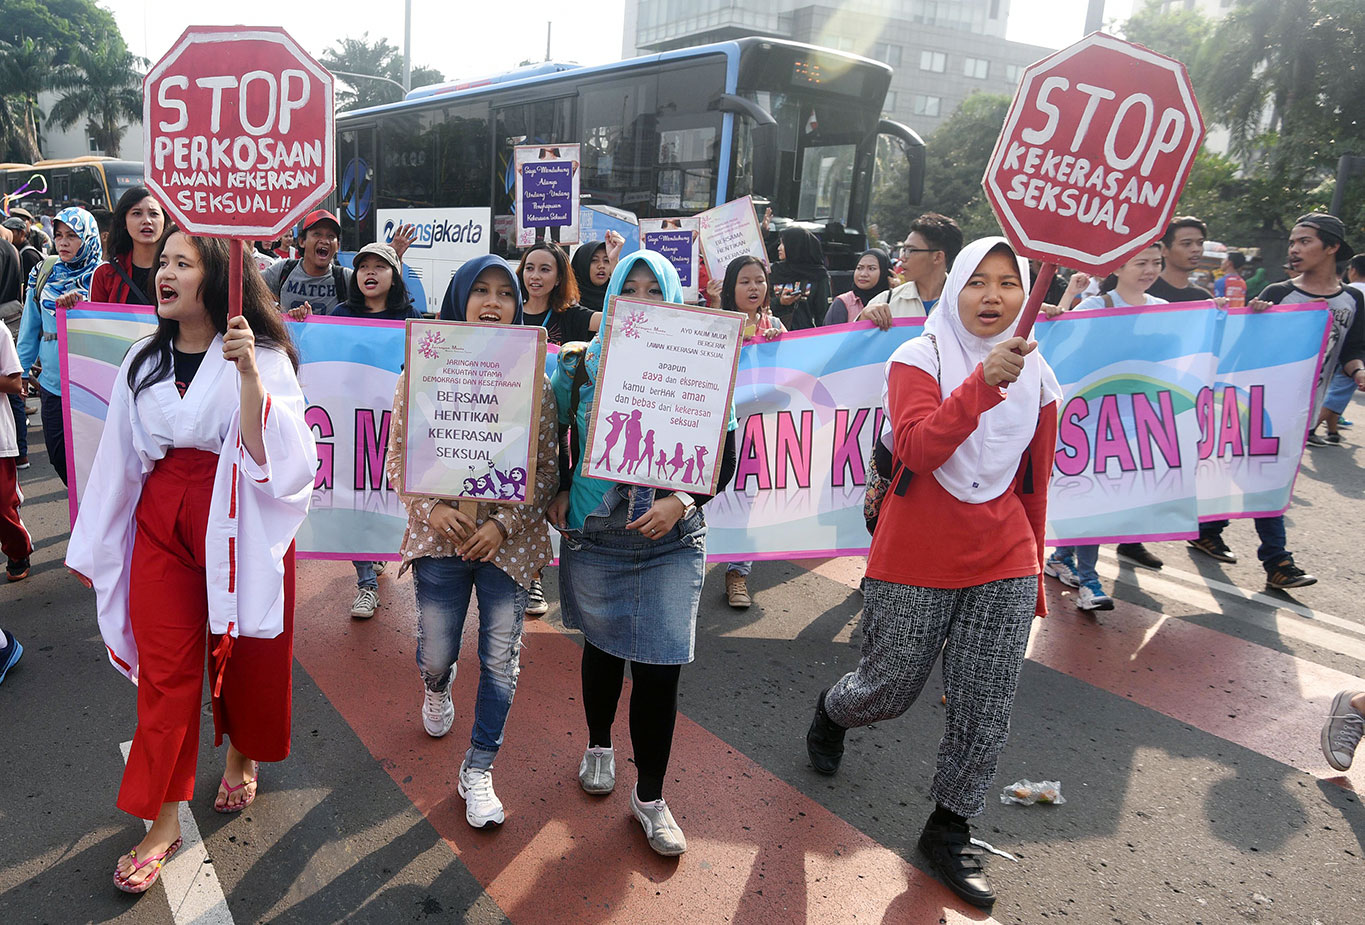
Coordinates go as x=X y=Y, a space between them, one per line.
x=1094 y=153
x=238 y=128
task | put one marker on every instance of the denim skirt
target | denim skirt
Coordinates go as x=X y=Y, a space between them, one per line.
x=631 y=596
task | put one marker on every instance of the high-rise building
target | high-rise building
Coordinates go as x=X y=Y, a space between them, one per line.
x=941 y=50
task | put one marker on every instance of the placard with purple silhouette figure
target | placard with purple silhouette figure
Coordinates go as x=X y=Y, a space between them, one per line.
x=678 y=240
x=662 y=402
x=547 y=193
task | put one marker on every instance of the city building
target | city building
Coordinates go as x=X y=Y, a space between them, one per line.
x=942 y=50
x=60 y=144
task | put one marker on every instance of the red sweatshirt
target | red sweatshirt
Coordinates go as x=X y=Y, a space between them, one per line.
x=929 y=538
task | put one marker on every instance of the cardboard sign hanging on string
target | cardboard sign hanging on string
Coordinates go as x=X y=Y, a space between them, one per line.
x=238 y=127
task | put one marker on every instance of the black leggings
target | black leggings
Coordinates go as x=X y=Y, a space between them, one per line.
x=653 y=712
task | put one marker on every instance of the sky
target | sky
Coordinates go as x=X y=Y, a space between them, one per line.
x=493 y=40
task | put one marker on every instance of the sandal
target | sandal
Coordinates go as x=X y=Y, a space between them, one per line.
x=229 y=790
x=125 y=883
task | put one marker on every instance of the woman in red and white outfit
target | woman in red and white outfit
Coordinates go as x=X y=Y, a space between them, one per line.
x=202 y=478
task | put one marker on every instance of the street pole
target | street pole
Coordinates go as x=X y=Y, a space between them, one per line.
x=548 y=27
x=407 y=46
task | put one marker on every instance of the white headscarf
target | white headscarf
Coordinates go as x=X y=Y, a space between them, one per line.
x=984 y=466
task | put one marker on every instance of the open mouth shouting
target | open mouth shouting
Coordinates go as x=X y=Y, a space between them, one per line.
x=490 y=314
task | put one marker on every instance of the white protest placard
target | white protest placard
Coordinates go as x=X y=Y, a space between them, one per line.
x=473 y=410
x=662 y=403
x=547 y=193
x=730 y=231
x=678 y=240
x=445 y=239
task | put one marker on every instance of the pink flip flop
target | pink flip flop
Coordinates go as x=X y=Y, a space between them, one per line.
x=125 y=884
x=230 y=790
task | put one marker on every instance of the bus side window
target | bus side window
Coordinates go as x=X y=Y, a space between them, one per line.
x=462 y=156
x=620 y=143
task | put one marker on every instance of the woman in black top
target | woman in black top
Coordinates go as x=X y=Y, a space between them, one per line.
x=550 y=295
x=800 y=281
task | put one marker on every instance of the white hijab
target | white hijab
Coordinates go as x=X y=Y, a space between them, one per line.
x=984 y=466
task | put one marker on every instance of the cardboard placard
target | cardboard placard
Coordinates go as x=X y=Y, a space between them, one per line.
x=473 y=410
x=547 y=193
x=664 y=387
x=730 y=231
x=596 y=220
x=678 y=240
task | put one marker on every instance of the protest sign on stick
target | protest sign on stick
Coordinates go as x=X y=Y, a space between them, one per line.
x=547 y=182
x=664 y=387
x=238 y=130
x=1092 y=157
x=473 y=410
x=677 y=239
x=730 y=231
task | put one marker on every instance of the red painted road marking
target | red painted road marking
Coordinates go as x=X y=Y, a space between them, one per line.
x=760 y=851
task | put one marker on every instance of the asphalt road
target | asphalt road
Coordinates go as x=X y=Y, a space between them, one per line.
x=1183 y=727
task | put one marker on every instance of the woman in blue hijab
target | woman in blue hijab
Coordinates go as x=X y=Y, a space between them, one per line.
x=65 y=278
x=631 y=564
x=495 y=554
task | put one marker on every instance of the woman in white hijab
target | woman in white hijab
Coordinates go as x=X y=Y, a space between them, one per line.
x=956 y=559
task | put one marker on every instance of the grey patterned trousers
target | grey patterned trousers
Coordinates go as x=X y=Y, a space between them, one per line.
x=982 y=632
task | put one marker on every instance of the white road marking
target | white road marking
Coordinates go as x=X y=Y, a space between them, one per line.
x=191 y=881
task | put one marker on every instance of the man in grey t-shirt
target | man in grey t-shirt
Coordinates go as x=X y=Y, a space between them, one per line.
x=312 y=283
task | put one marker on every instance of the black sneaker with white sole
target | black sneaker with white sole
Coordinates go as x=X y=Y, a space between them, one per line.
x=1139 y=554
x=1214 y=547
x=1287 y=575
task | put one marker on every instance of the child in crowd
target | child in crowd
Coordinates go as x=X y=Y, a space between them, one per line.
x=496 y=552
x=955 y=560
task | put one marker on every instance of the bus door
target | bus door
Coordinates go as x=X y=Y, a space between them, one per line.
x=355 y=186
x=539 y=122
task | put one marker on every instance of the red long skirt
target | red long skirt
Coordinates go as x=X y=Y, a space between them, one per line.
x=168 y=604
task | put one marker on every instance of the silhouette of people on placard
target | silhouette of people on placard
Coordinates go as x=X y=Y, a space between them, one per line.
x=677 y=461
x=617 y=421
x=630 y=458
x=687 y=470
x=662 y=461
x=701 y=463
x=647 y=454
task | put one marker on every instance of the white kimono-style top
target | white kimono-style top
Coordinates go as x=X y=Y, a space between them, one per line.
x=254 y=513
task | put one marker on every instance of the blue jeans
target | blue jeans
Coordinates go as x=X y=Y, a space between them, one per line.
x=365 y=576
x=1086 y=557
x=1339 y=392
x=1269 y=529
x=16 y=403
x=443 y=587
x=741 y=568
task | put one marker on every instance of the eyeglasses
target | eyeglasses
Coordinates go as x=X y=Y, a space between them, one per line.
x=919 y=250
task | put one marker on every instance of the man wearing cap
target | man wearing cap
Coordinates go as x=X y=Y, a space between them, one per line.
x=1315 y=242
x=312 y=282
x=926 y=255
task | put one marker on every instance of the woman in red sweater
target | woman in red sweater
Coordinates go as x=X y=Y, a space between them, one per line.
x=134 y=236
x=956 y=560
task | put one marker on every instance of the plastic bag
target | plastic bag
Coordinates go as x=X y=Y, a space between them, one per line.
x=1028 y=792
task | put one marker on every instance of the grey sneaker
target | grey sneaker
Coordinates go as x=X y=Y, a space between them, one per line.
x=363 y=607
x=481 y=805
x=597 y=770
x=660 y=828
x=536 y=605
x=438 y=711
x=1342 y=731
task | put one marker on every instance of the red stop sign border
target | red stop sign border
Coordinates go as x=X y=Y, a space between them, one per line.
x=1072 y=255
x=199 y=35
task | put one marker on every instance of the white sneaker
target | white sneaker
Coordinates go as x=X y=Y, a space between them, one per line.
x=379 y=567
x=481 y=805
x=597 y=770
x=363 y=607
x=664 y=835
x=1092 y=597
x=1062 y=568
x=536 y=605
x=438 y=711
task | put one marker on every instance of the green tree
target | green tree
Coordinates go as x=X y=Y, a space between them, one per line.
x=378 y=59
x=58 y=24
x=25 y=71
x=101 y=84
x=1179 y=33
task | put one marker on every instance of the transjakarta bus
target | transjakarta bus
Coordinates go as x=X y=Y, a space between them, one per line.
x=669 y=134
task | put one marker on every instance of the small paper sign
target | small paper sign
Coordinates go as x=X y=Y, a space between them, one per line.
x=473 y=410
x=547 y=184
x=664 y=387
x=728 y=232
x=677 y=239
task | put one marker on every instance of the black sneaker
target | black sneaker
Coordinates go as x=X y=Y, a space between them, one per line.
x=1333 y=439
x=958 y=863
x=1214 y=547
x=16 y=569
x=1138 y=554
x=1316 y=439
x=825 y=740
x=1287 y=575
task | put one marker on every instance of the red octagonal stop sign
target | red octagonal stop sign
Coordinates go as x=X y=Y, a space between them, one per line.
x=238 y=131
x=1094 y=153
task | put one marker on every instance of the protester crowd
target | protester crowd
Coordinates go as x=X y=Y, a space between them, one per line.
x=204 y=475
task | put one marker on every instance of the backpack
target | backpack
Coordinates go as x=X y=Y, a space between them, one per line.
x=338 y=280
x=44 y=271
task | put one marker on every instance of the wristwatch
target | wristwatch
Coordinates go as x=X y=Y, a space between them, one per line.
x=689 y=505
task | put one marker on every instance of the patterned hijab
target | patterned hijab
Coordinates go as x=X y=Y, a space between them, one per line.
x=74 y=276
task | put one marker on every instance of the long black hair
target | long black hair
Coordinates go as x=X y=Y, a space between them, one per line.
x=565 y=292
x=258 y=307
x=397 y=298
x=727 y=288
x=120 y=241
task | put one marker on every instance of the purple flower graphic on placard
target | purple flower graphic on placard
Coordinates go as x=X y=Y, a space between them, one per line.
x=633 y=323
x=427 y=345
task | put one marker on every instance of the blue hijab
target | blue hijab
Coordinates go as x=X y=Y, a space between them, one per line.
x=76 y=275
x=665 y=272
x=456 y=301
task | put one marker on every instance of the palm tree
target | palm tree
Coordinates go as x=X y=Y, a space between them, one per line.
x=25 y=71
x=102 y=84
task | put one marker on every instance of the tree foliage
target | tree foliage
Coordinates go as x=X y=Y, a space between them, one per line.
x=101 y=84
x=379 y=59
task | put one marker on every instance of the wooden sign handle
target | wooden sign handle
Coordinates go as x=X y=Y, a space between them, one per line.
x=1035 y=299
x=235 y=279
x=470 y=509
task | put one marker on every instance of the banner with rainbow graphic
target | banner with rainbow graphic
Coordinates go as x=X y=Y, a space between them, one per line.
x=1169 y=414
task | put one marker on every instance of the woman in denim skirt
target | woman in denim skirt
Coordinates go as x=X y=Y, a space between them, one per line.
x=631 y=563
